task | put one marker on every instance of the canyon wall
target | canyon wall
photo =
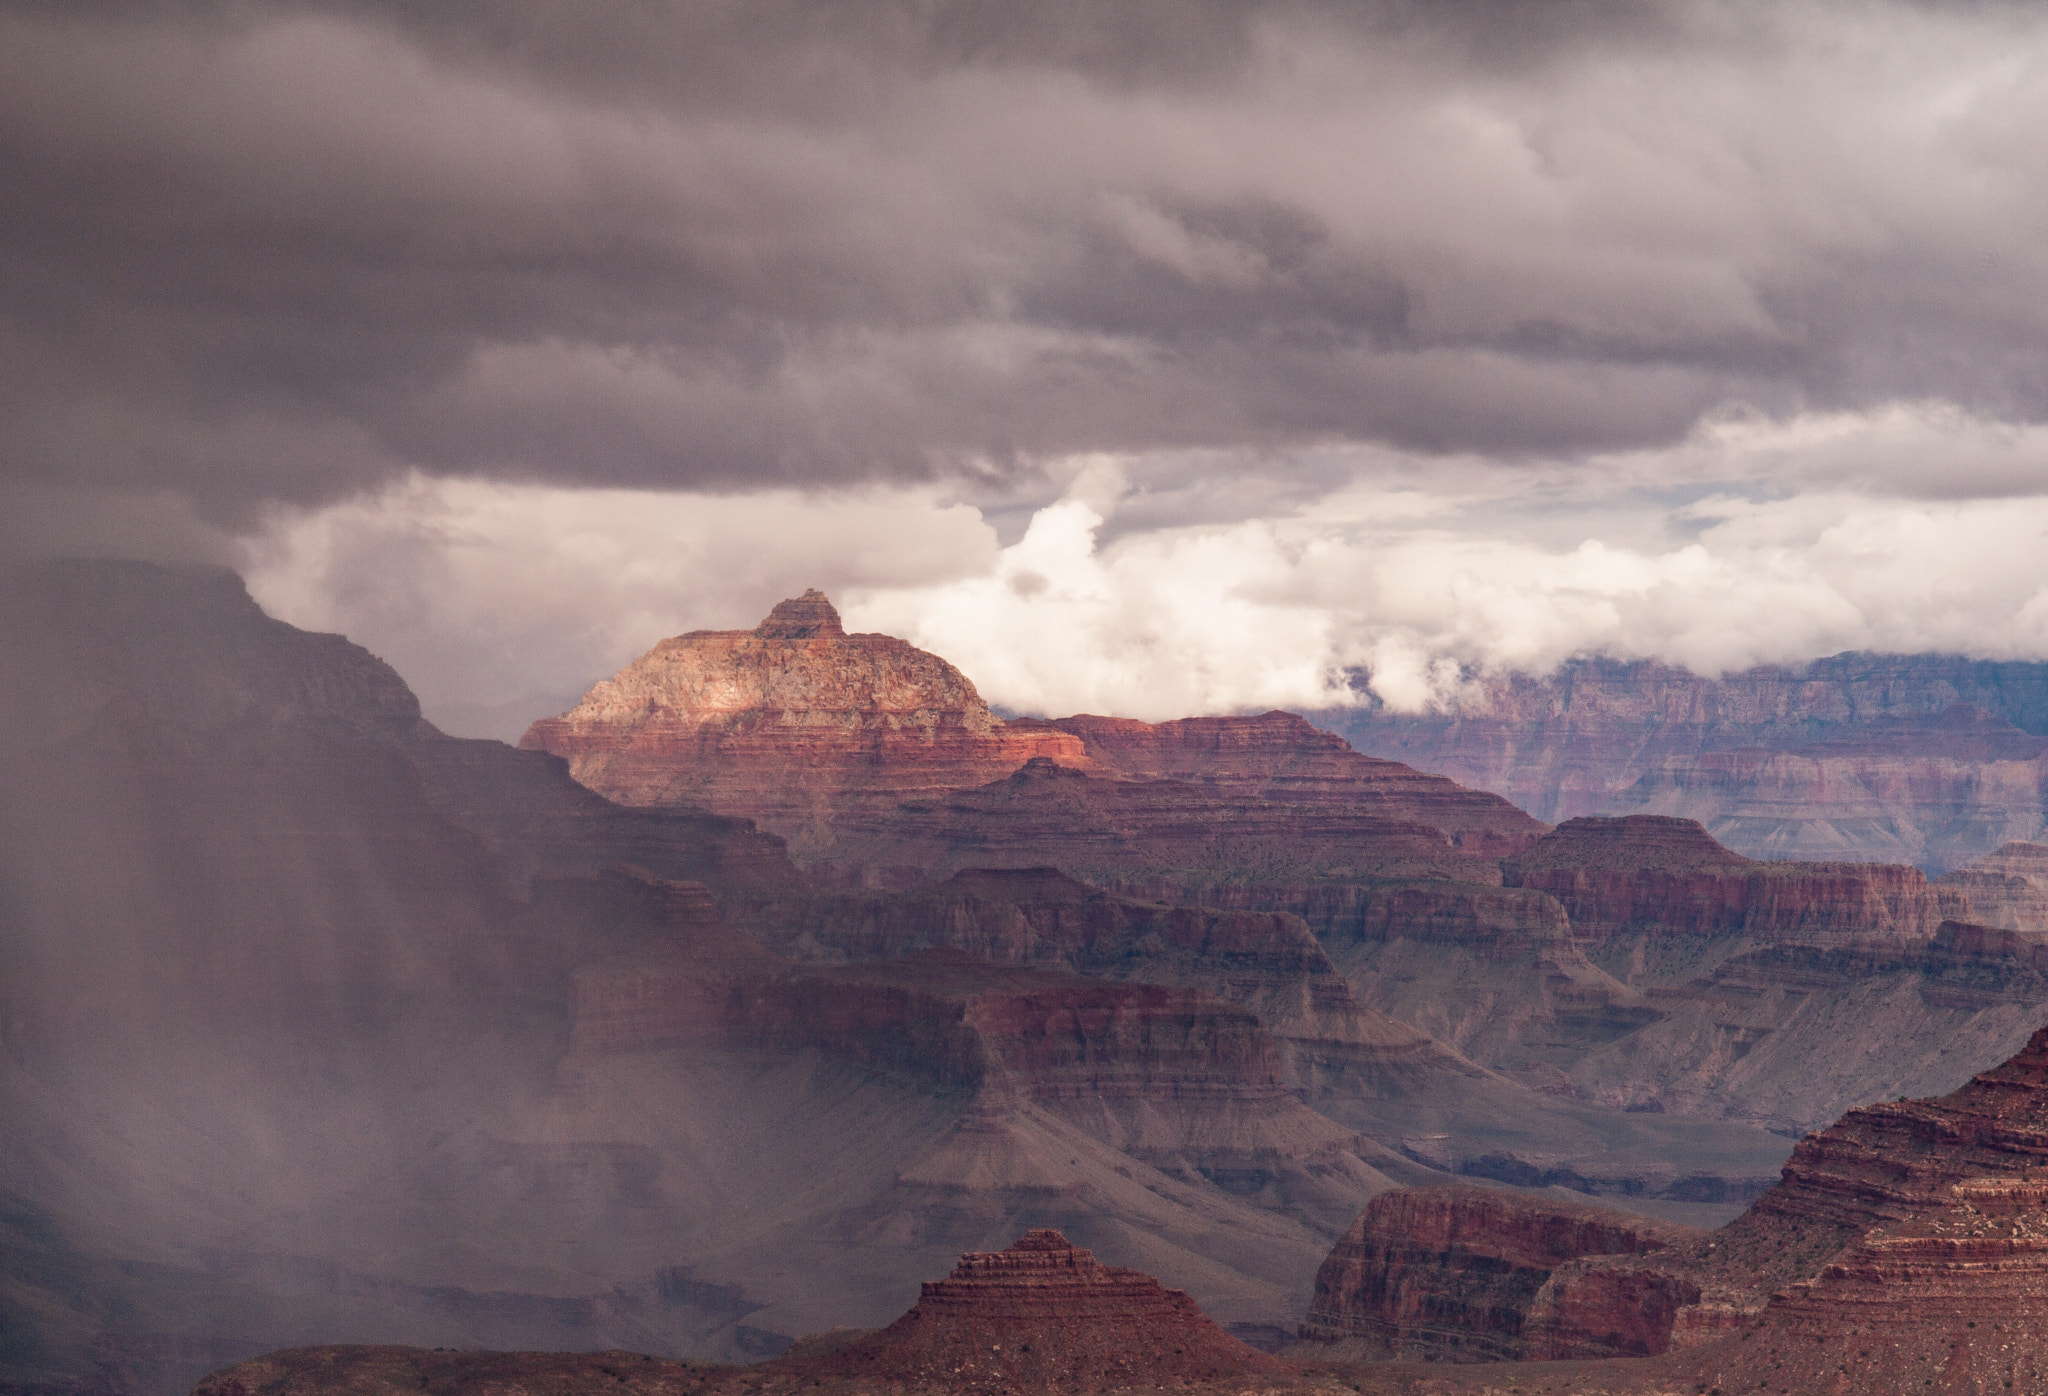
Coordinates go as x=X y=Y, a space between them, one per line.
x=1924 y=759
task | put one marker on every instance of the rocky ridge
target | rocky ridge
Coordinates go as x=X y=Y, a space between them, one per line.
x=1892 y=1234
x=1455 y=1274
x=1923 y=759
x=800 y=726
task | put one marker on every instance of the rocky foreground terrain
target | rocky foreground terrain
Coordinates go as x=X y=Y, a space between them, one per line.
x=1905 y=1250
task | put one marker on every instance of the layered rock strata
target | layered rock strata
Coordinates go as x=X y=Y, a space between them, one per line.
x=1163 y=1074
x=1046 y=1315
x=1905 y=1248
x=796 y=724
x=1152 y=838
x=1455 y=1273
x=1267 y=962
x=1281 y=757
x=2007 y=887
x=787 y=722
x=1924 y=759
x=1670 y=877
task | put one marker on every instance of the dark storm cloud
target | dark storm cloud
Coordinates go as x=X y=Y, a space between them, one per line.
x=283 y=252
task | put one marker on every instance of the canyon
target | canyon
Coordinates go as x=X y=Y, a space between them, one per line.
x=1931 y=760
x=782 y=971
x=1905 y=1248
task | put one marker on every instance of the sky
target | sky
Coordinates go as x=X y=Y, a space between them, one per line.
x=1155 y=358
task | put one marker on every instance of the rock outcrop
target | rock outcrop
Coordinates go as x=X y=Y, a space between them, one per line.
x=1267 y=962
x=1904 y=1249
x=1663 y=876
x=1923 y=759
x=1154 y=838
x=801 y=727
x=1460 y=1274
x=2007 y=887
x=1042 y=1315
x=1164 y=1074
x=787 y=723
x=1046 y=1315
x=1281 y=757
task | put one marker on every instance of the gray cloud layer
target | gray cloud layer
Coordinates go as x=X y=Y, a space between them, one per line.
x=253 y=253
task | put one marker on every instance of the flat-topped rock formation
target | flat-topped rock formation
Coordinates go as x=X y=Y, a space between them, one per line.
x=1046 y=1315
x=1454 y=1274
x=796 y=724
x=1282 y=757
x=787 y=722
x=1649 y=873
x=1157 y=838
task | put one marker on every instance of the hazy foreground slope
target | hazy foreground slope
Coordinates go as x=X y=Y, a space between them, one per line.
x=318 y=1025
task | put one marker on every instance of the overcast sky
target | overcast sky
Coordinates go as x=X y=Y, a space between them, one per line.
x=1151 y=357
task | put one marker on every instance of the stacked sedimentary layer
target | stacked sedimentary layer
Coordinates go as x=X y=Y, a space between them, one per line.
x=1280 y=757
x=1647 y=872
x=796 y=723
x=1153 y=838
x=1894 y=1236
x=2007 y=887
x=1455 y=1273
x=785 y=722
x=1925 y=759
x=1046 y=1314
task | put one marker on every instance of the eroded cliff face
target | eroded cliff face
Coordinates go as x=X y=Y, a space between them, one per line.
x=1664 y=876
x=306 y=1007
x=786 y=723
x=1150 y=837
x=1282 y=758
x=2006 y=887
x=1923 y=759
x=1905 y=1248
x=1455 y=1274
x=817 y=735
x=1164 y=1075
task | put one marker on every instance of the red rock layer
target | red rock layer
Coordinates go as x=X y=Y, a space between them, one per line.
x=1046 y=1315
x=1453 y=1273
x=786 y=723
x=1282 y=757
x=1268 y=962
x=949 y=1018
x=1650 y=873
x=1167 y=835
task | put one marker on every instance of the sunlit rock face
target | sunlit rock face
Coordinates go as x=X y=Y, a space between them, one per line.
x=787 y=723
